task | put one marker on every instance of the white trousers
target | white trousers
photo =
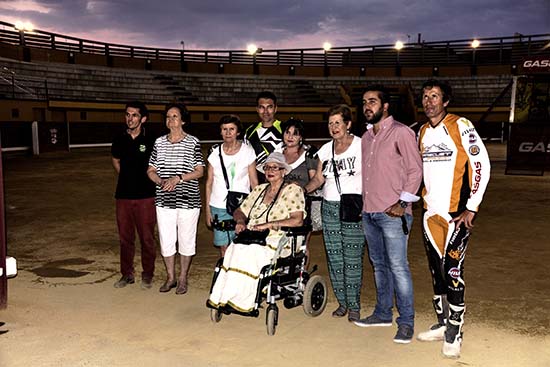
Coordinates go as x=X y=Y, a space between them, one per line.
x=177 y=225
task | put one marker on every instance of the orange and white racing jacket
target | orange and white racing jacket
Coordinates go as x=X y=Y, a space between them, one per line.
x=456 y=166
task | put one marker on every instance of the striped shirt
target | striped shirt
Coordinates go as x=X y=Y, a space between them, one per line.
x=172 y=159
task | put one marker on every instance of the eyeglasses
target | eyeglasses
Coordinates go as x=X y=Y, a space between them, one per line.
x=273 y=168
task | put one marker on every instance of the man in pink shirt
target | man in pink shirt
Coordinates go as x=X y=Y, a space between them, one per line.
x=391 y=176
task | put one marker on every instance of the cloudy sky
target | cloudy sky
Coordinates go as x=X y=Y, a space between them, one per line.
x=218 y=24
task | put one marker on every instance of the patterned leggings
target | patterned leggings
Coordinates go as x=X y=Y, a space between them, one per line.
x=345 y=246
x=446 y=247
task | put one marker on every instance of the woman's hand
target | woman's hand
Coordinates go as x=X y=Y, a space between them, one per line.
x=208 y=219
x=170 y=183
x=261 y=227
x=239 y=227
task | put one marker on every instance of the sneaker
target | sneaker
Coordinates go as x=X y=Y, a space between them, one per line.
x=124 y=281
x=146 y=283
x=404 y=334
x=436 y=333
x=372 y=320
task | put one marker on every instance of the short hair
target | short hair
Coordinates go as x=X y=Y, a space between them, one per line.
x=341 y=109
x=232 y=119
x=185 y=116
x=298 y=126
x=267 y=95
x=143 y=111
x=444 y=86
x=382 y=92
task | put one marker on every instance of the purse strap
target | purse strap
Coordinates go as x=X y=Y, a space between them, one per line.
x=223 y=169
x=334 y=168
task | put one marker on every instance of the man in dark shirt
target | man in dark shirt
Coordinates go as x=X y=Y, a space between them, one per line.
x=135 y=196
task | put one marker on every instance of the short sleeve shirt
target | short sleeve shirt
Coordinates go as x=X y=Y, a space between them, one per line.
x=133 y=154
x=236 y=166
x=172 y=159
x=301 y=168
x=349 y=170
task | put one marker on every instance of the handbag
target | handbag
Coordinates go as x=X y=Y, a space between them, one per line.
x=351 y=205
x=248 y=237
x=234 y=199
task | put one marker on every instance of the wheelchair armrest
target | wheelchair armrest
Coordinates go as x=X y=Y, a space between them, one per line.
x=297 y=231
x=223 y=225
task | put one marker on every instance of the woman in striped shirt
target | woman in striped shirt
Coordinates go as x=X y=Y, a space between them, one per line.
x=175 y=166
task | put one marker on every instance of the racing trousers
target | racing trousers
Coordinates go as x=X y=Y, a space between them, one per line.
x=446 y=248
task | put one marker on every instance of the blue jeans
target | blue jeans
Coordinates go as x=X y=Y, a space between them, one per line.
x=387 y=246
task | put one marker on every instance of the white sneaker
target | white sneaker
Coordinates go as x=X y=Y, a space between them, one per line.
x=452 y=350
x=436 y=333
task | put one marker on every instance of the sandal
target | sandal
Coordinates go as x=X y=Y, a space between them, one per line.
x=182 y=288
x=167 y=286
x=353 y=315
x=341 y=311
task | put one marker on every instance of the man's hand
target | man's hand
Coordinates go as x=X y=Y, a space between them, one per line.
x=467 y=217
x=395 y=210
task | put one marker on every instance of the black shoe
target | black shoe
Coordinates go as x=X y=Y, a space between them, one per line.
x=404 y=334
x=341 y=311
x=146 y=283
x=124 y=281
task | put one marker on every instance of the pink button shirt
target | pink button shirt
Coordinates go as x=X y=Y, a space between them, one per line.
x=392 y=166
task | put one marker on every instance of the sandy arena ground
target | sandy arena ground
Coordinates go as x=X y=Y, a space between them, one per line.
x=63 y=309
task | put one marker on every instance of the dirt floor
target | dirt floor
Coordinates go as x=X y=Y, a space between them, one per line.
x=63 y=309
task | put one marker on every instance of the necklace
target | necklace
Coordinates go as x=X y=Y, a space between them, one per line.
x=268 y=209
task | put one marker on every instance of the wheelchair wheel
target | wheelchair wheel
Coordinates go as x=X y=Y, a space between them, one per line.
x=271 y=319
x=215 y=315
x=315 y=296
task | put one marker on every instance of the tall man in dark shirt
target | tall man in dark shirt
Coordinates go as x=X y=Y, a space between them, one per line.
x=135 y=196
x=265 y=136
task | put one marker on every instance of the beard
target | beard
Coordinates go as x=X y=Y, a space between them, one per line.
x=376 y=117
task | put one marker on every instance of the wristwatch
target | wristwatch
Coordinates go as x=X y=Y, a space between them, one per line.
x=403 y=204
x=181 y=178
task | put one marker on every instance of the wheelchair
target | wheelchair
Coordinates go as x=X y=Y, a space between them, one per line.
x=284 y=278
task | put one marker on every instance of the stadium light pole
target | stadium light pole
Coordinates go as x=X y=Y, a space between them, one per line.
x=253 y=50
x=23 y=27
x=475 y=45
x=398 y=46
x=326 y=46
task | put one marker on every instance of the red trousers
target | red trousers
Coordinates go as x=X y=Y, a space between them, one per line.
x=140 y=215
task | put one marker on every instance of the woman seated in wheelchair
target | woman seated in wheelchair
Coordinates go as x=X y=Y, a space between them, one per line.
x=268 y=207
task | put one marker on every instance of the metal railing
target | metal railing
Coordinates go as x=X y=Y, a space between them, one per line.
x=16 y=86
x=491 y=51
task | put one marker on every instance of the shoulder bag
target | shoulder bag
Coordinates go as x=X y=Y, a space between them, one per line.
x=351 y=205
x=234 y=198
